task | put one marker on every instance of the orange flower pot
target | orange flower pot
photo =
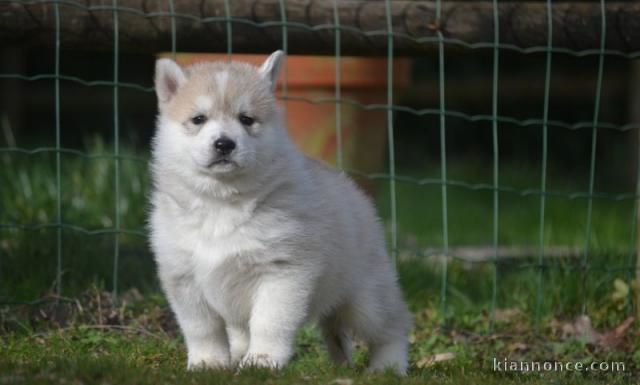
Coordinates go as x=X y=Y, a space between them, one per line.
x=308 y=89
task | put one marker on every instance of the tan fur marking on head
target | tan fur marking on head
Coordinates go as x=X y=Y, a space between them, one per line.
x=204 y=103
x=229 y=87
x=221 y=81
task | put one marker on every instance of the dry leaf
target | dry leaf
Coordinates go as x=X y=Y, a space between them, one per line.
x=518 y=346
x=342 y=381
x=584 y=329
x=581 y=328
x=429 y=361
x=613 y=338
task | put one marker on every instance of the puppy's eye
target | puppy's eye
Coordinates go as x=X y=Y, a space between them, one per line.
x=246 y=120
x=198 y=120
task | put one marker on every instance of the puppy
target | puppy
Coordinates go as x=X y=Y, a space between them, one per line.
x=252 y=238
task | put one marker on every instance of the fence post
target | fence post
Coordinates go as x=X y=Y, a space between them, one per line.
x=634 y=118
x=635 y=114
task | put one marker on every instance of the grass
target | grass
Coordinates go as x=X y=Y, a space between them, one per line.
x=88 y=207
x=470 y=208
x=133 y=341
x=144 y=364
x=533 y=316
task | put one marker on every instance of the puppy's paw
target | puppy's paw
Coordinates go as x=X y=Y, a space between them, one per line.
x=264 y=360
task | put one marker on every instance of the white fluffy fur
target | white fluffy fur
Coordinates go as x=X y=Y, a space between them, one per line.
x=247 y=252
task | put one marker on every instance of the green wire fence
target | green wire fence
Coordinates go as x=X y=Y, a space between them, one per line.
x=387 y=29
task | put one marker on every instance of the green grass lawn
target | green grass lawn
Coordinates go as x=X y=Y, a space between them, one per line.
x=84 y=357
x=135 y=341
x=514 y=308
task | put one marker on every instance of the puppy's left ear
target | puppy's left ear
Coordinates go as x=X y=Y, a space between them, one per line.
x=270 y=69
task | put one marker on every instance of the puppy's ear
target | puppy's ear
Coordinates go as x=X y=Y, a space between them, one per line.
x=169 y=77
x=270 y=69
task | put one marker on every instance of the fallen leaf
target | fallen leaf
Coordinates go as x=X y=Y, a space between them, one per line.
x=429 y=361
x=581 y=328
x=613 y=338
x=517 y=346
x=342 y=381
x=622 y=328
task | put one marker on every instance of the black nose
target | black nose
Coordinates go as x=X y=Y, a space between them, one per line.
x=224 y=146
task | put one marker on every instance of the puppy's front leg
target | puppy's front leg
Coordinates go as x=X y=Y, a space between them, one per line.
x=203 y=329
x=279 y=309
x=238 y=343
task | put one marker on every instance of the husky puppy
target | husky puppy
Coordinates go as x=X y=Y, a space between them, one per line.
x=252 y=238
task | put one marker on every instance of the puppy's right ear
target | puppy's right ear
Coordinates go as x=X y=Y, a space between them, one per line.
x=169 y=77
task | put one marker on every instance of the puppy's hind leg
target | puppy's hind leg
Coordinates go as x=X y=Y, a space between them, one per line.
x=382 y=320
x=391 y=353
x=337 y=337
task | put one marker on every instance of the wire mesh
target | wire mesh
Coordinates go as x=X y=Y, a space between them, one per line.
x=444 y=182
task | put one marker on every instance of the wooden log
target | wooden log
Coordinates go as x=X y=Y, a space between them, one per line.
x=147 y=26
x=483 y=254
